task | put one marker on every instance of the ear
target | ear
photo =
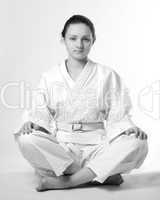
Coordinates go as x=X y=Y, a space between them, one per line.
x=62 y=40
x=93 y=41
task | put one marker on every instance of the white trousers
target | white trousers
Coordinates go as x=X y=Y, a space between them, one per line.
x=121 y=156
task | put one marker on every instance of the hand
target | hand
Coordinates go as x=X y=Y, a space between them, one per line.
x=28 y=127
x=138 y=133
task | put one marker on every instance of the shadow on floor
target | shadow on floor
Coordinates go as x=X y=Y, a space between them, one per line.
x=131 y=181
x=21 y=185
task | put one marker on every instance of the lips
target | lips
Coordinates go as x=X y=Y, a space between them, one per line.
x=78 y=51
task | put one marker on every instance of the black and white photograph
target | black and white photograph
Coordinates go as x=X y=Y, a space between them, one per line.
x=80 y=99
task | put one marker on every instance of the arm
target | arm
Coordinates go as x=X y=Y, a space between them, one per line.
x=117 y=104
x=39 y=113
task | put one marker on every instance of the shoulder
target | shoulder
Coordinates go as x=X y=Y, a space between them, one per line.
x=106 y=71
x=51 y=73
x=109 y=77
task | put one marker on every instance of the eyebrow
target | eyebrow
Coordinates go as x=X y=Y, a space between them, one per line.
x=76 y=35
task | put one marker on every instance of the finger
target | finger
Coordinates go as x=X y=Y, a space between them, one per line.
x=36 y=127
x=30 y=127
x=129 y=131
x=24 y=130
x=141 y=135
x=137 y=132
x=146 y=136
x=28 y=130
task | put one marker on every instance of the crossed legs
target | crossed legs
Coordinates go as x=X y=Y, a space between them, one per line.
x=31 y=147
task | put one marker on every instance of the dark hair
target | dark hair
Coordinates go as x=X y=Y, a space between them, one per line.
x=76 y=19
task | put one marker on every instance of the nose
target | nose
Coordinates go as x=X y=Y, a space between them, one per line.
x=79 y=44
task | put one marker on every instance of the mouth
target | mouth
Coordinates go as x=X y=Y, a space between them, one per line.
x=79 y=51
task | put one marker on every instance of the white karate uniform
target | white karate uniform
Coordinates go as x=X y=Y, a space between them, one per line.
x=98 y=95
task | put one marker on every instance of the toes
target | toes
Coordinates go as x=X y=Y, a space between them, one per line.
x=41 y=189
x=41 y=185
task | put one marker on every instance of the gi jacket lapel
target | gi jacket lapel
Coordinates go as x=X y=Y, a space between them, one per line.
x=87 y=72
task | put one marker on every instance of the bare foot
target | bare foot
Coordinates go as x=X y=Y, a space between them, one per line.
x=42 y=173
x=42 y=185
x=115 y=180
x=51 y=183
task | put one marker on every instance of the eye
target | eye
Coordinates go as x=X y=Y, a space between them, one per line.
x=86 y=39
x=72 y=38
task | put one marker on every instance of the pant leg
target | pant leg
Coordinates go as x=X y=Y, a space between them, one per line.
x=44 y=152
x=121 y=156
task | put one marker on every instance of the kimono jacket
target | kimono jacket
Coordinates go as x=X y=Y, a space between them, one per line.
x=98 y=95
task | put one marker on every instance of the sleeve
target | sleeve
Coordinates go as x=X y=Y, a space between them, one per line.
x=117 y=106
x=38 y=111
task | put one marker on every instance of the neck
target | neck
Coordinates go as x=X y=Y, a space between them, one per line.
x=73 y=64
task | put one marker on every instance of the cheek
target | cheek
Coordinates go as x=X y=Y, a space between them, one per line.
x=68 y=45
x=88 y=46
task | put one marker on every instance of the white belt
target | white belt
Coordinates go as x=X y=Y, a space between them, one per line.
x=82 y=133
x=79 y=126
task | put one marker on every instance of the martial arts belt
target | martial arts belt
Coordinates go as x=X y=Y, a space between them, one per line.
x=79 y=126
x=82 y=133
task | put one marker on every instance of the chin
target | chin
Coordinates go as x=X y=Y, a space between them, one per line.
x=80 y=58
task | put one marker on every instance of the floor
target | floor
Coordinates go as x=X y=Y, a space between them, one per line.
x=21 y=186
x=17 y=181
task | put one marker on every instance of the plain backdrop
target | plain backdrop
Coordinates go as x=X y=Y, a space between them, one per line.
x=127 y=39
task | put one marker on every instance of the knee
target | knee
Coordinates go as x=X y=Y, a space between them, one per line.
x=145 y=147
x=143 y=144
x=142 y=147
x=136 y=148
x=138 y=143
x=24 y=140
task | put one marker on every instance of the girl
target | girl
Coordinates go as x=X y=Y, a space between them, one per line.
x=78 y=129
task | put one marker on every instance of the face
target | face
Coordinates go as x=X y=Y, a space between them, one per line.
x=78 y=41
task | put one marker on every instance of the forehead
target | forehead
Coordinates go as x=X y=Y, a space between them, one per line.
x=78 y=29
